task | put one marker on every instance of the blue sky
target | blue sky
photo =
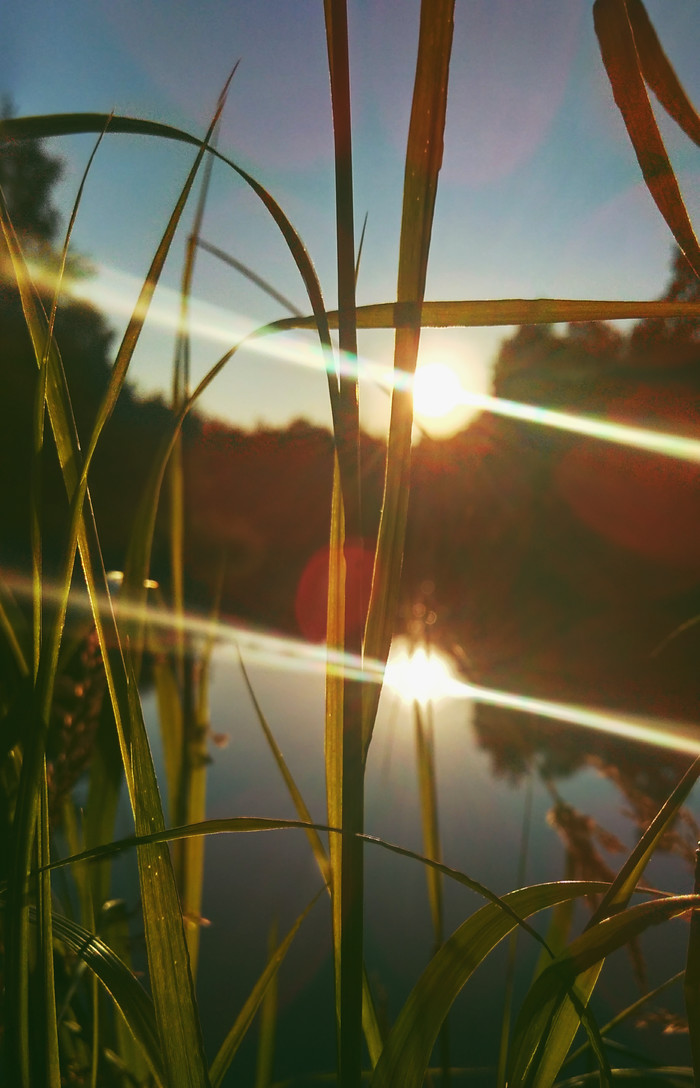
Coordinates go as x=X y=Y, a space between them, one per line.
x=540 y=193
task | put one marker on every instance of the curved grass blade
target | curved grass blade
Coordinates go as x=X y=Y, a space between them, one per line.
x=659 y=72
x=46 y=666
x=566 y=1021
x=235 y=1037
x=26 y=128
x=248 y=824
x=666 y=1076
x=630 y=874
x=409 y=1045
x=120 y=983
x=626 y=1014
x=538 y=1050
x=622 y=64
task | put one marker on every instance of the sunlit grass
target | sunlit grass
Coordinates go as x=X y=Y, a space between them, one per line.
x=163 y=1019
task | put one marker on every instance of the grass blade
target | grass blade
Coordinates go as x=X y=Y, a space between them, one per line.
x=537 y=1052
x=51 y=1063
x=627 y=1013
x=313 y=836
x=253 y=277
x=122 y=986
x=32 y=128
x=268 y=1024
x=501 y=311
x=369 y=1017
x=659 y=73
x=567 y=1018
x=691 y=985
x=427 y=789
x=622 y=63
x=423 y=162
x=168 y=961
x=245 y=1018
x=409 y=1045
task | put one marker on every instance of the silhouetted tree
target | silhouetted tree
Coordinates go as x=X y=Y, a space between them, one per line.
x=28 y=175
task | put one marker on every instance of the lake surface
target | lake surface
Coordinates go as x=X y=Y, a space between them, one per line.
x=254 y=880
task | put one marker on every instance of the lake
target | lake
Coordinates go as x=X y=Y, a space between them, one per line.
x=256 y=879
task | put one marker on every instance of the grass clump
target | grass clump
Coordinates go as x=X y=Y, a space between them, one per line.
x=61 y=959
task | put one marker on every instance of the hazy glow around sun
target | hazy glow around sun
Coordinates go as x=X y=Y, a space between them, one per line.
x=419 y=675
x=437 y=391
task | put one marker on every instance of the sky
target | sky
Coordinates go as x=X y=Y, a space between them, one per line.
x=540 y=193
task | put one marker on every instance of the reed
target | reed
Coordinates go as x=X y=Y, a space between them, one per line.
x=152 y=1036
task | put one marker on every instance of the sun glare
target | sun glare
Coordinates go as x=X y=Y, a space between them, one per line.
x=420 y=675
x=436 y=391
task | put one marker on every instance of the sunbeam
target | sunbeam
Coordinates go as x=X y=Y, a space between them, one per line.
x=294 y=655
x=115 y=292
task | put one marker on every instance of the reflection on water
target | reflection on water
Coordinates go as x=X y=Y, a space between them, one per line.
x=591 y=793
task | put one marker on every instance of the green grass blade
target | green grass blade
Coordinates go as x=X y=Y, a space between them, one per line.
x=631 y=872
x=121 y=984
x=622 y=64
x=268 y=1023
x=46 y=669
x=360 y=247
x=104 y=789
x=427 y=790
x=333 y=739
x=249 y=824
x=84 y=888
x=423 y=162
x=566 y=1021
x=314 y=838
x=39 y=416
x=28 y=128
x=501 y=311
x=246 y=1016
x=168 y=961
x=659 y=73
x=51 y=1063
x=369 y=1017
x=197 y=759
x=625 y=1014
x=666 y=1076
x=171 y=729
x=691 y=985
x=348 y=890
x=15 y=628
x=250 y=275
x=409 y=1045
x=538 y=1051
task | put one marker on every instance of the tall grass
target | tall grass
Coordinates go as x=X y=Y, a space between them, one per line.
x=153 y=1036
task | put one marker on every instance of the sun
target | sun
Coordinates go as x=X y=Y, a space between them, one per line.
x=420 y=675
x=437 y=391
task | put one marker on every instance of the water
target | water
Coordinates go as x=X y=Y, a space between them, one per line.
x=254 y=880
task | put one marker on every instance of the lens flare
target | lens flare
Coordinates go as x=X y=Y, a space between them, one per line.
x=116 y=292
x=294 y=655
